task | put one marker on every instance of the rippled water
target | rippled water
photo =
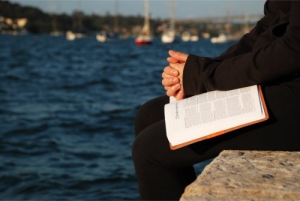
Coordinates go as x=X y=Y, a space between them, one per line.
x=67 y=110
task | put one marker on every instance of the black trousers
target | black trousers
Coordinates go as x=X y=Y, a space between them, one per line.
x=163 y=174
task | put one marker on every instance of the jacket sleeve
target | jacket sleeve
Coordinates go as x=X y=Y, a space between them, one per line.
x=270 y=57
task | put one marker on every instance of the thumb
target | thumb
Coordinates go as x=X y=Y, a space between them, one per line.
x=178 y=55
x=180 y=95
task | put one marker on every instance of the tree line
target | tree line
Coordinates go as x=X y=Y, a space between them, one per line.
x=41 y=22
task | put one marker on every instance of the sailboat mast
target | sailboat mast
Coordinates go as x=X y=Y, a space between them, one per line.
x=146 y=27
x=145 y=38
x=146 y=12
x=172 y=15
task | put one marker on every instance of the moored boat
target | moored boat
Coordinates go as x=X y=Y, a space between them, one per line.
x=145 y=38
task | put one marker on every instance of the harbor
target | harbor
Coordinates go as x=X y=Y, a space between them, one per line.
x=218 y=29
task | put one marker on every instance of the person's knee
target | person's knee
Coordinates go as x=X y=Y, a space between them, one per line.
x=150 y=148
x=149 y=113
x=137 y=150
x=141 y=119
x=141 y=149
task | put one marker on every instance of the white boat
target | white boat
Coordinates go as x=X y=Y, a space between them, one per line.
x=104 y=36
x=222 y=38
x=186 y=36
x=194 y=38
x=70 y=35
x=145 y=37
x=189 y=36
x=169 y=34
x=110 y=36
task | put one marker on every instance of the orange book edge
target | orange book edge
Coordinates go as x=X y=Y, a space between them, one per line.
x=227 y=130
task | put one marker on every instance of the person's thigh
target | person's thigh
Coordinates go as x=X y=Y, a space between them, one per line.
x=149 y=113
x=280 y=132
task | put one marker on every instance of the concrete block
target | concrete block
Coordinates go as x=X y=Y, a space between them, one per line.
x=248 y=175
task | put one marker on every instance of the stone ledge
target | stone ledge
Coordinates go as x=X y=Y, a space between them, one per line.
x=248 y=175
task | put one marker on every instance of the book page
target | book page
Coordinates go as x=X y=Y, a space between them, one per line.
x=211 y=112
x=172 y=99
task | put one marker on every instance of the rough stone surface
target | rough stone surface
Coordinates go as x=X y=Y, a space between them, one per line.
x=248 y=175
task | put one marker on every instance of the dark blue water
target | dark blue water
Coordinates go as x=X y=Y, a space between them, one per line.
x=67 y=111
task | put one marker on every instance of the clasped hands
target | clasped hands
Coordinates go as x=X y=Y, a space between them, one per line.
x=172 y=74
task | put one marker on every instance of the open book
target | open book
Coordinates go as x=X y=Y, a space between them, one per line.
x=213 y=113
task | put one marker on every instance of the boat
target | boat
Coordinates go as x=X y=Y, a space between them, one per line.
x=105 y=36
x=221 y=38
x=194 y=35
x=190 y=36
x=169 y=34
x=194 y=38
x=186 y=36
x=110 y=36
x=224 y=36
x=71 y=35
x=77 y=33
x=145 y=37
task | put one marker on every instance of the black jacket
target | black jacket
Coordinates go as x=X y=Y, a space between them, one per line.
x=270 y=52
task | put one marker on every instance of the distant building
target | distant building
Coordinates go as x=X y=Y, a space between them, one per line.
x=21 y=22
x=12 y=26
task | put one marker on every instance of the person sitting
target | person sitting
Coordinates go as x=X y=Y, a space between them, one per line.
x=269 y=55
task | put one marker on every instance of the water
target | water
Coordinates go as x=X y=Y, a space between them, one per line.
x=67 y=111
